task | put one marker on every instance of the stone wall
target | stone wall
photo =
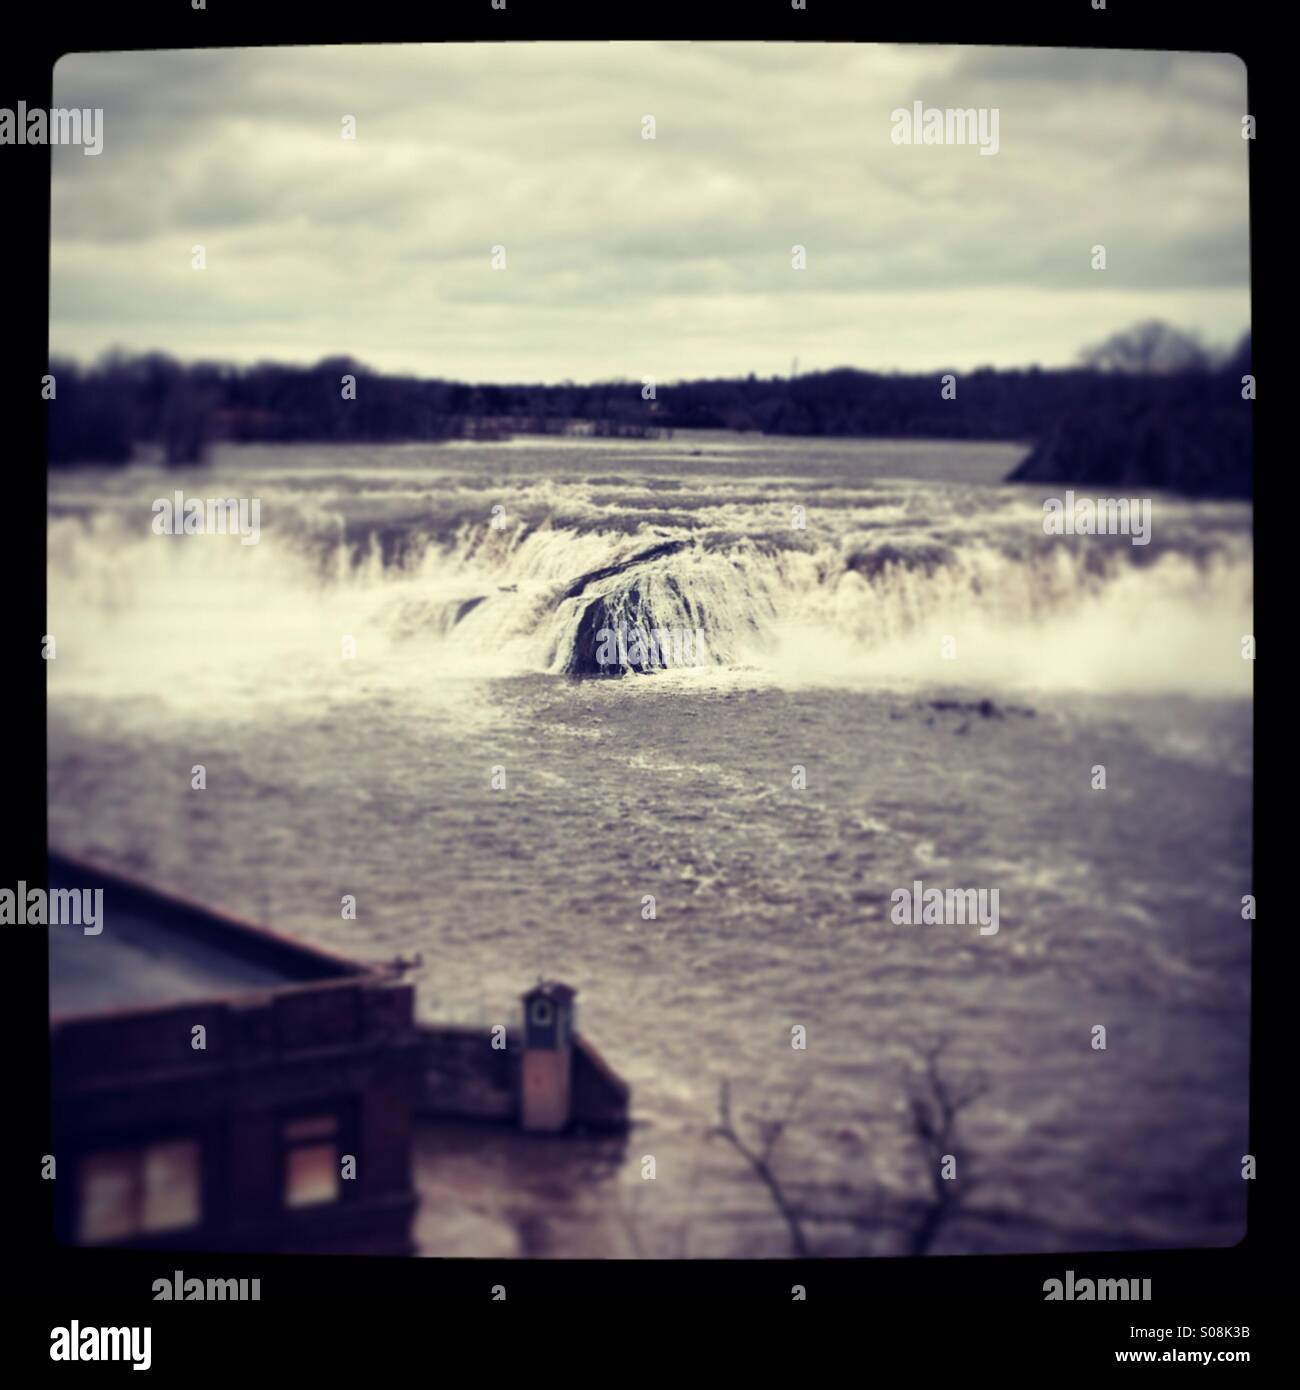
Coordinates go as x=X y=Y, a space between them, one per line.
x=464 y=1077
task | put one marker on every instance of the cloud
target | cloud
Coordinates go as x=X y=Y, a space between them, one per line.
x=627 y=256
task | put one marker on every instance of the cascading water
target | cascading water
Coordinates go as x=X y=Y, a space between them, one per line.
x=623 y=576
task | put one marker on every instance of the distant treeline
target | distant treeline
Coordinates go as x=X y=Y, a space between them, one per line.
x=1149 y=405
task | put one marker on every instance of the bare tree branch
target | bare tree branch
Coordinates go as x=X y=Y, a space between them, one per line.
x=760 y=1160
x=936 y=1101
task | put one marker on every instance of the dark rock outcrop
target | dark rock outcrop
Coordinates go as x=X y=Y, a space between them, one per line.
x=627 y=610
x=1201 y=451
x=596 y=650
x=576 y=589
x=985 y=708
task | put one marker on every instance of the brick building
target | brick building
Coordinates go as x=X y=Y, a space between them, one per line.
x=211 y=1080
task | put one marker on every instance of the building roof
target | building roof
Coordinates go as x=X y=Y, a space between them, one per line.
x=156 y=950
x=551 y=989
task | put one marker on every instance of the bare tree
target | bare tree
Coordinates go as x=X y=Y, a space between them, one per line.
x=760 y=1158
x=935 y=1103
x=1148 y=347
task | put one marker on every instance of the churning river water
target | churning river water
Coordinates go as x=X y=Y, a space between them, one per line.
x=380 y=692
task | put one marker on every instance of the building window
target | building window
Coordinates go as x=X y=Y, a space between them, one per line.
x=139 y=1192
x=311 y=1160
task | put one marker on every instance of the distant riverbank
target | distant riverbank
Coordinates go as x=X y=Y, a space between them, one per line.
x=1148 y=410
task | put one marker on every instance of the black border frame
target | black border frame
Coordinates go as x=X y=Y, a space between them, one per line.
x=937 y=1292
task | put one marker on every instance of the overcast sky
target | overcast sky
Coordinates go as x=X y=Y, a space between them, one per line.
x=630 y=257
